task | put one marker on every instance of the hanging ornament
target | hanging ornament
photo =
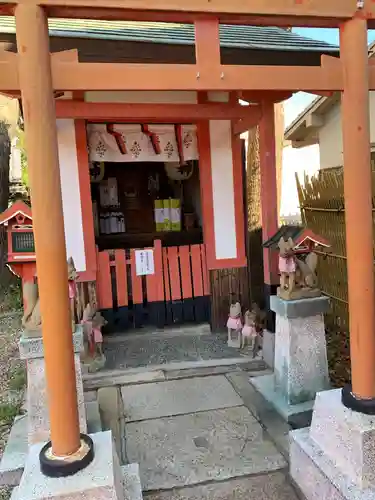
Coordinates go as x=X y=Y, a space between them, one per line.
x=96 y=170
x=177 y=171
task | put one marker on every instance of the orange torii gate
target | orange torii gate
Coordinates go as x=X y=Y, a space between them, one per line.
x=36 y=75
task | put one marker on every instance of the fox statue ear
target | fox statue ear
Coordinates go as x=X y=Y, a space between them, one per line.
x=291 y=242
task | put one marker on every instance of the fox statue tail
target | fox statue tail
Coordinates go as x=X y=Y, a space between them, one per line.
x=312 y=262
x=308 y=269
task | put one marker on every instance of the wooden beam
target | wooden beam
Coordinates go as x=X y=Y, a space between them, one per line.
x=251 y=121
x=121 y=76
x=65 y=55
x=321 y=93
x=320 y=80
x=261 y=96
x=295 y=12
x=207 y=47
x=117 y=76
x=172 y=113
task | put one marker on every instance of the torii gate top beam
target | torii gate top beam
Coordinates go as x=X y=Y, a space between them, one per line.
x=325 y=13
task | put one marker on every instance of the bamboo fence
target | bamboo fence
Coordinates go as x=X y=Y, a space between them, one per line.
x=322 y=206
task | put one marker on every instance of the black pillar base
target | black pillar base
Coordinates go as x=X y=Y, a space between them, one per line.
x=54 y=467
x=348 y=399
x=271 y=317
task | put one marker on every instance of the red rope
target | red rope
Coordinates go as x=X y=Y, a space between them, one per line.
x=118 y=138
x=179 y=140
x=153 y=138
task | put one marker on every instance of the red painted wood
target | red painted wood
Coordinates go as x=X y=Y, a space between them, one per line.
x=137 y=290
x=104 y=285
x=185 y=269
x=121 y=278
x=195 y=251
x=174 y=273
x=167 y=286
x=155 y=282
x=151 y=281
x=206 y=281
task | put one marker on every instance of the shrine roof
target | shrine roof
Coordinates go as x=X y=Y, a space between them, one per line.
x=19 y=207
x=231 y=36
x=299 y=235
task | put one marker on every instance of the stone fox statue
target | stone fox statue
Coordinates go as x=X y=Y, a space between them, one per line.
x=306 y=271
x=295 y=272
x=32 y=320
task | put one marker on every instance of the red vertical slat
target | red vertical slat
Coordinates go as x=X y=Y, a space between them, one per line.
x=196 y=266
x=155 y=282
x=174 y=273
x=105 y=300
x=206 y=281
x=185 y=268
x=166 y=276
x=137 y=293
x=121 y=278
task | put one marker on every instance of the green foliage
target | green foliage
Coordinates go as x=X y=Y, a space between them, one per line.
x=10 y=295
x=18 y=379
x=8 y=411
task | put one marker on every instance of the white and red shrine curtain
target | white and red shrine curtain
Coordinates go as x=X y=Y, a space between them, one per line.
x=130 y=143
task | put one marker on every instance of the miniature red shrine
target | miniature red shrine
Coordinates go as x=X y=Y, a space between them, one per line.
x=304 y=240
x=21 y=250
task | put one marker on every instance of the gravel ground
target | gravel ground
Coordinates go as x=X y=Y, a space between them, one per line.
x=12 y=379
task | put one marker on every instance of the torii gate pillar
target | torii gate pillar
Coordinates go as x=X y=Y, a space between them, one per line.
x=335 y=458
x=67 y=451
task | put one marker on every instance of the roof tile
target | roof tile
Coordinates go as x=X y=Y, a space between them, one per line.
x=231 y=36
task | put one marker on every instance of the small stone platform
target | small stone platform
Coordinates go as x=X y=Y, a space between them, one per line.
x=160 y=348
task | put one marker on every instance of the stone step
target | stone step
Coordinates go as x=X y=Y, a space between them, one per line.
x=272 y=486
x=159 y=373
x=15 y=453
x=94 y=423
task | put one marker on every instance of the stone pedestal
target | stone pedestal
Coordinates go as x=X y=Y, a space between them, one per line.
x=335 y=457
x=103 y=479
x=300 y=365
x=31 y=349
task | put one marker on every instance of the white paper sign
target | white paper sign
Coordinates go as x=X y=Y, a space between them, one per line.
x=144 y=262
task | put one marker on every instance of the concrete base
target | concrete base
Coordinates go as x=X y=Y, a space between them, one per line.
x=268 y=348
x=31 y=350
x=301 y=368
x=335 y=458
x=101 y=480
x=16 y=450
x=265 y=384
x=318 y=477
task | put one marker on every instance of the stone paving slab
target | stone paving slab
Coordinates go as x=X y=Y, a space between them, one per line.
x=262 y=410
x=177 y=397
x=205 y=446
x=273 y=486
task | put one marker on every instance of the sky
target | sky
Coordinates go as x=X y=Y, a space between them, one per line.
x=299 y=101
x=304 y=160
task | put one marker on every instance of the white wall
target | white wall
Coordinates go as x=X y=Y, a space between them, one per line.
x=330 y=136
x=223 y=189
x=330 y=140
x=70 y=193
